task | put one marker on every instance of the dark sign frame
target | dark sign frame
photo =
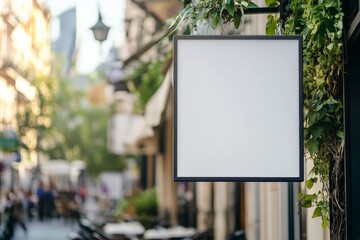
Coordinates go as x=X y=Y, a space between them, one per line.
x=175 y=105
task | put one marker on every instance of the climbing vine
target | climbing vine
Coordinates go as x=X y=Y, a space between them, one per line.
x=320 y=24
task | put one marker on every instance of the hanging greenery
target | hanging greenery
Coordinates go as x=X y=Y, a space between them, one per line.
x=212 y=11
x=320 y=24
x=144 y=80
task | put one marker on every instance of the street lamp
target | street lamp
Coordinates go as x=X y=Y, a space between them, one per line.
x=114 y=70
x=100 y=30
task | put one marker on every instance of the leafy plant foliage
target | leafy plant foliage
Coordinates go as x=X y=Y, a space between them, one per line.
x=79 y=131
x=143 y=81
x=65 y=125
x=320 y=24
x=142 y=206
x=34 y=117
x=214 y=12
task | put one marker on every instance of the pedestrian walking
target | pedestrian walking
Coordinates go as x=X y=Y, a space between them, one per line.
x=40 y=192
x=9 y=222
x=30 y=205
x=49 y=203
x=14 y=214
x=19 y=212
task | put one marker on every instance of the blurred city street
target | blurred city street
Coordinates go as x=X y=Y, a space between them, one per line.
x=115 y=121
x=54 y=230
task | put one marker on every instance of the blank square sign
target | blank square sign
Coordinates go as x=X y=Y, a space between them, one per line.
x=238 y=108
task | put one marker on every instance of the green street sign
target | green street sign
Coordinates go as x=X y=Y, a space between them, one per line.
x=9 y=144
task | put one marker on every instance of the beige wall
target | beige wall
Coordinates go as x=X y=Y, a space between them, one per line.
x=167 y=189
x=223 y=209
x=26 y=41
x=203 y=205
x=25 y=52
x=313 y=225
x=139 y=29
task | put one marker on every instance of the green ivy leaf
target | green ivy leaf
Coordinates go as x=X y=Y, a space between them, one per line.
x=309 y=183
x=319 y=107
x=313 y=146
x=310 y=197
x=307 y=204
x=325 y=223
x=320 y=34
x=306 y=132
x=187 y=31
x=216 y=21
x=317 y=130
x=300 y=196
x=230 y=7
x=271 y=25
x=311 y=117
x=330 y=46
x=329 y=3
x=317 y=212
x=340 y=134
x=271 y=3
x=252 y=5
x=237 y=20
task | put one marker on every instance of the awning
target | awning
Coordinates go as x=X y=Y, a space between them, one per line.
x=157 y=103
x=138 y=130
x=55 y=167
x=134 y=133
x=125 y=130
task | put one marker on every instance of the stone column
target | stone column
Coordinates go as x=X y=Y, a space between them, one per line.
x=252 y=205
x=220 y=207
x=203 y=204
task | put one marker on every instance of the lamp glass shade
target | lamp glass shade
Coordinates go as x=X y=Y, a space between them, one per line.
x=100 y=31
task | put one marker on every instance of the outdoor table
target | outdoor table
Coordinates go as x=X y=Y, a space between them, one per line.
x=169 y=233
x=124 y=228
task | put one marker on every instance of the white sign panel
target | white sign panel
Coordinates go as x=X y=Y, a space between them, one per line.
x=238 y=108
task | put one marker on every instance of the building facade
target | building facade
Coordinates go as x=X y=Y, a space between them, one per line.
x=25 y=53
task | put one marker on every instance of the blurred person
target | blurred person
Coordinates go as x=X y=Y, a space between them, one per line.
x=74 y=211
x=49 y=203
x=2 y=205
x=83 y=192
x=40 y=192
x=30 y=205
x=18 y=211
x=14 y=213
x=21 y=195
x=74 y=202
x=55 y=198
x=8 y=231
